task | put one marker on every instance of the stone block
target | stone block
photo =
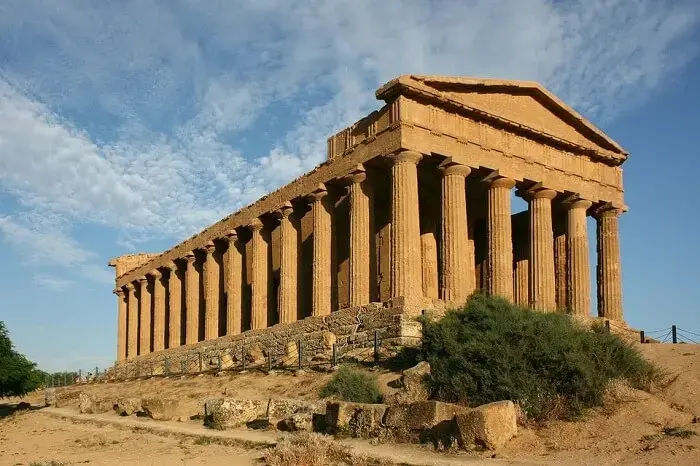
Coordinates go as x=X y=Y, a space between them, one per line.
x=128 y=406
x=228 y=413
x=421 y=415
x=413 y=385
x=160 y=409
x=88 y=404
x=358 y=419
x=281 y=408
x=60 y=398
x=488 y=426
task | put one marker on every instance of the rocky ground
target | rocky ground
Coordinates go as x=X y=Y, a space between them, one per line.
x=632 y=428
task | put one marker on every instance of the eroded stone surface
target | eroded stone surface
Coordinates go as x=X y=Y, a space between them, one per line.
x=160 y=409
x=128 y=406
x=489 y=426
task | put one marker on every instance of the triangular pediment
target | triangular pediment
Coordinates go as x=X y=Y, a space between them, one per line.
x=520 y=104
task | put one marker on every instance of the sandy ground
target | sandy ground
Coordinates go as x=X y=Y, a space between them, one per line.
x=632 y=428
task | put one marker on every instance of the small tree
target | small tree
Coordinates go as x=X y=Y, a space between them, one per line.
x=491 y=350
x=18 y=375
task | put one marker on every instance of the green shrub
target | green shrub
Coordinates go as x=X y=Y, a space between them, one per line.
x=355 y=385
x=490 y=350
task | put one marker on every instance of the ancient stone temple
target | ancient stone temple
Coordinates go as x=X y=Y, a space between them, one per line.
x=411 y=210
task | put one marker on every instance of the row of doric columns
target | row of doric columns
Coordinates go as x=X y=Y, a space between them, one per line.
x=553 y=273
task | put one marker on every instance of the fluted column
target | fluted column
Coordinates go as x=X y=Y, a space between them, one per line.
x=211 y=293
x=288 y=266
x=578 y=271
x=560 y=258
x=457 y=277
x=359 y=238
x=133 y=322
x=500 y=252
x=321 y=286
x=233 y=280
x=542 y=279
x=259 y=276
x=158 y=311
x=609 y=275
x=174 y=306
x=406 y=275
x=191 y=300
x=521 y=279
x=145 y=316
x=121 y=324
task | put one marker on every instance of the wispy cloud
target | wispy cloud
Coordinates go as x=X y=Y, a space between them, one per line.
x=134 y=115
x=51 y=282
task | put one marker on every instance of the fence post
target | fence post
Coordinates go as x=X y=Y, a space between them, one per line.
x=376 y=346
x=334 y=360
x=243 y=357
x=673 y=334
x=641 y=337
x=201 y=361
x=166 y=367
x=183 y=367
x=299 y=353
x=607 y=325
x=218 y=361
x=269 y=360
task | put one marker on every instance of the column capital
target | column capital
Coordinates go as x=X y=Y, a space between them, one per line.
x=609 y=209
x=319 y=193
x=130 y=286
x=190 y=257
x=538 y=191
x=118 y=291
x=405 y=156
x=209 y=247
x=284 y=211
x=448 y=167
x=576 y=202
x=357 y=175
x=230 y=236
x=495 y=180
x=155 y=273
x=172 y=266
x=255 y=225
x=143 y=279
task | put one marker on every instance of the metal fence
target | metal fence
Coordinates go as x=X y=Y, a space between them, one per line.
x=372 y=352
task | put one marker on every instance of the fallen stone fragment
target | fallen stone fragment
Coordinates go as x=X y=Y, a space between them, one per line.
x=297 y=422
x=488 y=426
x=228 y=413
x=421 y=415
x=88 y=404
x=358 y=419
x=160 y=409
x=128 y=406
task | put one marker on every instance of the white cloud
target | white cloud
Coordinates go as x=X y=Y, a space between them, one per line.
x=130 y=115
x=51 y=282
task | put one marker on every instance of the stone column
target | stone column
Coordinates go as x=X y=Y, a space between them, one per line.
x=133 y=322
x=191 y=301
x=158 y=311
x=500 y=249
x=406 y=274
x=578 y=272
x=359 y=238
x=542 y=281
x=521 y=278
x=145 y=316
x=121 y=324
x=259 y=276
x=211 y=293
x=174 y=306
x=560 y=258
x=609 y=275
x=457 y=277
x=234 y=264
x=288 y=266
x=321 y=286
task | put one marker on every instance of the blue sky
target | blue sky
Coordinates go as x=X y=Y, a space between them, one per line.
x=127 y=126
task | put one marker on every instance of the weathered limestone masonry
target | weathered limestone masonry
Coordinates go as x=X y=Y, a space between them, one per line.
x=411 y=210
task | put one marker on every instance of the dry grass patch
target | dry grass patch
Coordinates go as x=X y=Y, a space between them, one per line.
x=308 y=449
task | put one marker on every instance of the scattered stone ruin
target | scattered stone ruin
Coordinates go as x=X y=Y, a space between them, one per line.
x=411 y=210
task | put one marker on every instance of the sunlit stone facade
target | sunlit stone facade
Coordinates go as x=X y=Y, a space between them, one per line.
x=412 y=207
